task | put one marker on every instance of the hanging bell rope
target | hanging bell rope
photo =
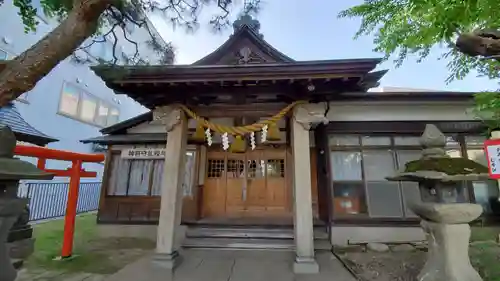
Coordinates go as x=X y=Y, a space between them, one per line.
x=239 y=130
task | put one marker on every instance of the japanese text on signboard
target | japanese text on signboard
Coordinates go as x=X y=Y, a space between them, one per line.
x=492 y=148
x=143 y=153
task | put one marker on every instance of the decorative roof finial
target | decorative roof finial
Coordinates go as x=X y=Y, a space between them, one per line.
x=246 y=19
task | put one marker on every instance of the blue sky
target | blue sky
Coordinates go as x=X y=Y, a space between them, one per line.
x=313 y=32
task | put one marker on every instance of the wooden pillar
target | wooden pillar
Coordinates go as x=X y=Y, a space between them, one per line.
x=302 y=199
x=167 y=243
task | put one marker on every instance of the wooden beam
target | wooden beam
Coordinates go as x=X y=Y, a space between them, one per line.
x=247 y=110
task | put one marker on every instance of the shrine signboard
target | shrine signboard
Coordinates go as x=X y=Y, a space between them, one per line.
x=492 y=148
x=143 y=153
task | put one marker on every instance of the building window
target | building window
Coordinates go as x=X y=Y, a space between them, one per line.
x=359 y=167
x=134 y=177
x=102 y=115
x=70 y=98
x=78 y=104
x=88 y=108
x=113 y=116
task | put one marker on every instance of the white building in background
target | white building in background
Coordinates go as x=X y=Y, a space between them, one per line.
x=71 y=103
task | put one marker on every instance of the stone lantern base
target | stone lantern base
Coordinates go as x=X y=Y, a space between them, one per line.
x=19 y=241
x=10 y=209
x=448 y=235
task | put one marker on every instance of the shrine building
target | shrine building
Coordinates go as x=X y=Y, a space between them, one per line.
x=249 y=148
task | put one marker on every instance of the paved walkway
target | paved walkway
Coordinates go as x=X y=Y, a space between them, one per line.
x=229 y=265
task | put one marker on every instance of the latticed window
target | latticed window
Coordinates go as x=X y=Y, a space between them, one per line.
x=215 y=168
x=235 y=168
x=276 y=168
x=256 y=168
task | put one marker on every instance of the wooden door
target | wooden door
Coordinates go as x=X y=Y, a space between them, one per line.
x=255 y=189
x=235 y=185
x=277 y=191
x=251 y=184
x=214 y=188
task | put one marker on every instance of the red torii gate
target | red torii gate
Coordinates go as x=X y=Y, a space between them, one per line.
x=74 y=173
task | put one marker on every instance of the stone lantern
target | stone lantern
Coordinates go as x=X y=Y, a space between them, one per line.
x=444 y=212
x=11 y=207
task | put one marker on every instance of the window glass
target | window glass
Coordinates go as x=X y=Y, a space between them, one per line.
x=157 y=177
x=375 y=141
x=187 y=185
x=88 y=108
x=455 y=153
x=113 y=116
x=477 y=155
x=102 y=115
x=477 y=141
x=119 y=176
x=452 y=141
x=348 y=199
x=407 y=141
x=384 y=199
x=346 y=165
x=411 y=195
x=140 y=177
x=343 y=140
x=378 y=165
x=69 y=100
x=405 y=156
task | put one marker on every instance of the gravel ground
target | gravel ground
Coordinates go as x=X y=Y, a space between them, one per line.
x=389 y=266
x=406 y=265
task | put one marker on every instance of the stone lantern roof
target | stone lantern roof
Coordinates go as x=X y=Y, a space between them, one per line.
x=436 y=165
x=14 y=168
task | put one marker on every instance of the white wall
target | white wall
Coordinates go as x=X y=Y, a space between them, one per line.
x=399 y=111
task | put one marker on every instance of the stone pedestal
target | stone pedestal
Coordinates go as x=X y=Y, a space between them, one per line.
x=448 y=241
x=10 y=209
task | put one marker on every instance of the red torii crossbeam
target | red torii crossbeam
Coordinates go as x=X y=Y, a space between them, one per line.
x=74 y=173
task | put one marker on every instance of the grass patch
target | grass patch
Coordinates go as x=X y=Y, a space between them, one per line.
x=484 y=257
x=486 y=233
x=92 y=253
x=484 y=252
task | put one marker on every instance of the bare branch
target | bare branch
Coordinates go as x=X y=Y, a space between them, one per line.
x=136 y=54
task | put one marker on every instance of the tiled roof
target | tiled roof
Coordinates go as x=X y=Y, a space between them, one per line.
x=128 y=139
x=10 y=116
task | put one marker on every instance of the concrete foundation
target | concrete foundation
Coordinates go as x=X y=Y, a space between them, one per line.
x=346 y=235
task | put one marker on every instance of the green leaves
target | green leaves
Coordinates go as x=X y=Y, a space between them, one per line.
x=414 y=27
x=487 y=109
x=28 y=14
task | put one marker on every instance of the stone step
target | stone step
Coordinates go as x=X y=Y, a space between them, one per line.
x=253 y=233
x=226 y=243
x=249 y=243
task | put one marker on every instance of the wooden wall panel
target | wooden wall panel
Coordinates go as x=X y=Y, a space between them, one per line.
x=130 y=209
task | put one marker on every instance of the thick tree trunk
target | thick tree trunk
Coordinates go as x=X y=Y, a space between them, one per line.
x=483 y=43
x=22 y=73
